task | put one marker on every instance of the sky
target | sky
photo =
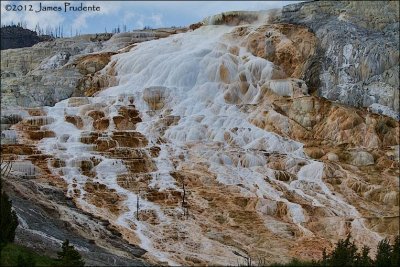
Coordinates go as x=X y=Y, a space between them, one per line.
x=133 y=14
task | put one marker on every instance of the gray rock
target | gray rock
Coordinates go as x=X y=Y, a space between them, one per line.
x=46 y=73
x=46 y=222
x=361 y=158
x=357 y=63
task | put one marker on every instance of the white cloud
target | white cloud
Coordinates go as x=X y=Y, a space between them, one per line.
x=128 y=17
x=140 y=23
x=32 y=18
x=106 y=8
x=197 y=10
x=156 y=19
x=134 y=14
x=8 y=16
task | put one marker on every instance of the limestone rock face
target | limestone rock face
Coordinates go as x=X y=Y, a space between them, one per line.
x=42 y=75
x=358 y=58
x=155 y=97
x=361 y=158
x=232 y=18
x=54 y=70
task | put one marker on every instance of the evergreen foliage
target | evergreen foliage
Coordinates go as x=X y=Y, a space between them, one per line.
x=25 y=260
x=346 y=253
x=384 y=254
x=395 y=252
x=69 y=256
x=363 y=259
x=17 y=255
x=8 y=219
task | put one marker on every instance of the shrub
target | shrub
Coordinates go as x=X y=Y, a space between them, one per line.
x=8 y=217
x=69 y=256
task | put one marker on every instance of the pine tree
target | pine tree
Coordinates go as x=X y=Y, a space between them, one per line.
x=69 y=256
x=363 y=260
x=324 y=258
x=8 y=217
x=345 y=253
x=8 y=221
x=25 y=261
x=395 y=252
x=383 y=256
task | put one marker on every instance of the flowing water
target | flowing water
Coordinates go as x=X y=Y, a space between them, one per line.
x=196 y=78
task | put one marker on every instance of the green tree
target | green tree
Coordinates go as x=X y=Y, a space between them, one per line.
x=345 y=253
x=25 y=261
x=363 y=260
x=395 y=252
x=69 y=256
x=325 y=258
x=383 y=256
x=8 y=217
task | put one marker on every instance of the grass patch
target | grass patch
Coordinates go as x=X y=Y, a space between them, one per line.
x=16 y=255
x=297 y=263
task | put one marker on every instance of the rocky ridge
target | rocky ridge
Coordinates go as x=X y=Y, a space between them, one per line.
x=17 y=37
x=55 y=70
x=358 y=51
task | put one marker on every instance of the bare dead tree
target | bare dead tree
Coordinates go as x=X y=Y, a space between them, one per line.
x=246 y=258
x=186 y=210
x=5 y=171
x=137 y=207
x=137 y=201
x=5 y=168
x=185 y=205
x=184 y=194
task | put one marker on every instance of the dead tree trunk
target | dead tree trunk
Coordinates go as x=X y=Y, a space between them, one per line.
x=5 y=168
x=137 y=206
x=184 y=194
x=5 y=171
x=185 y=205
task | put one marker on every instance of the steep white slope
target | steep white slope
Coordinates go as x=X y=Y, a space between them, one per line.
x=195 y=77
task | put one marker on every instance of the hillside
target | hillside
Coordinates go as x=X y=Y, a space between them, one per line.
x=17 y=37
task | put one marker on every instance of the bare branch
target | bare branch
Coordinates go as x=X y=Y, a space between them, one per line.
x=5 y=167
